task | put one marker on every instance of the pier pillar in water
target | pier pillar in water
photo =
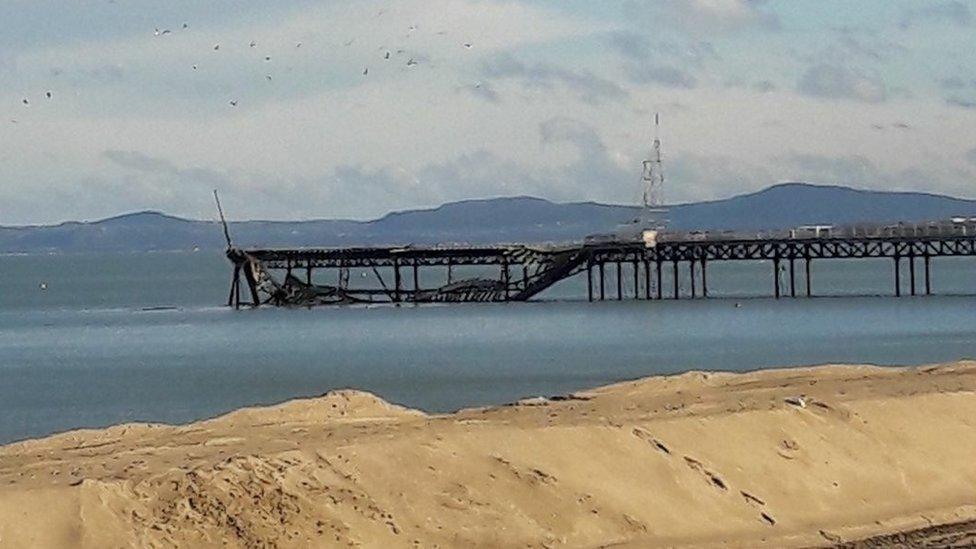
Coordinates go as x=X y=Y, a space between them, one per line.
x=397 y=283
x=776 y=277
x=928 y=283
x=620 y=282
x=792 y=278
x=647 y=279
x=252 y=284
x=589 y=280
x=506 y=277
x=660 y=285
x=235 y=287
x=897 y=275
x=636 y=280
x=416 y=278
x=807 y=277
x=704 y=263
x=603 y=293
x=676 y=296
x=911 y=271
x=691 y=271
x=308 y=273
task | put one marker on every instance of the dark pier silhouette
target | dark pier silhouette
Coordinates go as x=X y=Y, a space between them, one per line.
x=292 y=277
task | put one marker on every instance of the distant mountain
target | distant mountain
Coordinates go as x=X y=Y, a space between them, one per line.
x=497 y=220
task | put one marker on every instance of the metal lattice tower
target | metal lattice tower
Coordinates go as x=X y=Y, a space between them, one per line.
x=653 y=181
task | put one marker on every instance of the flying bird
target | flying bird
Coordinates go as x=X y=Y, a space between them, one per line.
x=48 y=94
x=467 y=45
x=298 y=45
x=233 y=103
x=216 y=47
x=194 y=67
x=387 y=56
x=267 y=58
x=411 y=62
x=253 y=43
x=157 y=32
x=365 y=71
x=268 y=76
x=186 y=25
x=26 y=102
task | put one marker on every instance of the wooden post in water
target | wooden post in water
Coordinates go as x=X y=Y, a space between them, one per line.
x=691 y=271
x=308 y=272
x=506 y=277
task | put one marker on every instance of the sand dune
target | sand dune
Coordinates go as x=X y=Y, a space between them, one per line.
x=788 y=458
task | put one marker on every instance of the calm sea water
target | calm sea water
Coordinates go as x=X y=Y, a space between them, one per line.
x=91 y=350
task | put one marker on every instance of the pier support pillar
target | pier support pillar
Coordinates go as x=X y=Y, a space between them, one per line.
x=691 y=271
x=792 y=278
x=897 y=275
x=589 y=280
x=603 y=293
x=636 y=280
x=506 y=279
x=676 y=296
x=620 y=282
x=704 y=264
x=807 y=277
x=647 y=279
x=928 y=282
x=252 y=284
x=235 y=288
x=397 y=283
x=416 y=278
x=308 y=273
x=776 y=277
x=660 y=285
x=911 y=269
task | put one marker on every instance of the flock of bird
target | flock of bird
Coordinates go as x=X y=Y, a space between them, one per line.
x=387 y=55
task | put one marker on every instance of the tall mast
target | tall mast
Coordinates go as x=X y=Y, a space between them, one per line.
x=653 y=174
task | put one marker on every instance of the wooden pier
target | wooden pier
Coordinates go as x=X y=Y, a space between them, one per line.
x=294 y=277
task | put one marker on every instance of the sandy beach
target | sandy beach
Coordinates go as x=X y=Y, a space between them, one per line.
x=783 y=458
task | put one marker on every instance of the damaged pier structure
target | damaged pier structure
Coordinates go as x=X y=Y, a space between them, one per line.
x=296 y=277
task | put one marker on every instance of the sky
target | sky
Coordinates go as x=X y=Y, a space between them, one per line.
x=353 y=108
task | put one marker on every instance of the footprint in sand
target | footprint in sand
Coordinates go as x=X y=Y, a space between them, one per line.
x=711 y=477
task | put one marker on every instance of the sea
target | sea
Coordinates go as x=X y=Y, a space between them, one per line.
x=92 y=340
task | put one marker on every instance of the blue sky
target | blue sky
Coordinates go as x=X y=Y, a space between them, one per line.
x=541 y=97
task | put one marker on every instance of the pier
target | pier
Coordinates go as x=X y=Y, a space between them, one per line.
x=519 y=272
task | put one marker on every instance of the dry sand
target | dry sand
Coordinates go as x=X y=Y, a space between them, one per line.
x=691 y=460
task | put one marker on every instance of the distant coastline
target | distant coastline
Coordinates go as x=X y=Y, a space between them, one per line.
x=497 y=220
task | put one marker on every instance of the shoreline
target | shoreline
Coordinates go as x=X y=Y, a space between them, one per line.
x=806 y=456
